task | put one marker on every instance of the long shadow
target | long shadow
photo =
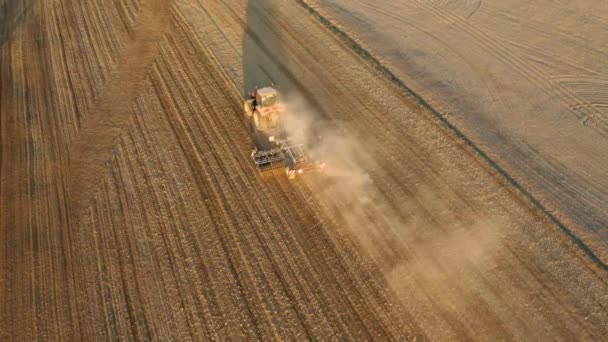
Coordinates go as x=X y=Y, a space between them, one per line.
x=12 y=13
x=266 y=59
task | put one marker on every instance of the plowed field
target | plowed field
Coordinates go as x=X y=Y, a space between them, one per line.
x=131 y=209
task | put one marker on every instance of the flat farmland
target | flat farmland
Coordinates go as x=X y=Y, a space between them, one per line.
x=131 y=209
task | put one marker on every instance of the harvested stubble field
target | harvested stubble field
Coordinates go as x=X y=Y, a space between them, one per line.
x=130 y=208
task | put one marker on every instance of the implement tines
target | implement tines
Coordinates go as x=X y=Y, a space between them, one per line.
x=295 y=153
x=268 y=159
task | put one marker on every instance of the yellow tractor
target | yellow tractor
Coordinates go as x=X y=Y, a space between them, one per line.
x=273 y=147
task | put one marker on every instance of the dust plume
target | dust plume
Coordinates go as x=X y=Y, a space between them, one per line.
x=399 y=232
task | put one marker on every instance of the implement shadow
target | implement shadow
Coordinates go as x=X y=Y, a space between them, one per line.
x=12 y=13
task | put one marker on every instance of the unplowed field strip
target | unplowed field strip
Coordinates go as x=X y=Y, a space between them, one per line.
x=527 y=89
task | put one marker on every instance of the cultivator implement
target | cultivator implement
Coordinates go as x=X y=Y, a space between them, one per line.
x=292 y=157
x=273 y=148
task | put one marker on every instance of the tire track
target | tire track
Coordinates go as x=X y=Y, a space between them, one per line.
x=578 y=106
x=587 y=114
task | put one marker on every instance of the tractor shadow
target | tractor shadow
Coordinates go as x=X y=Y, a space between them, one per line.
x=264 y=60
x=267 y=60
x=12 y=13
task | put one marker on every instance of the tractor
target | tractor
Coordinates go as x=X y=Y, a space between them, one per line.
x=273 y=147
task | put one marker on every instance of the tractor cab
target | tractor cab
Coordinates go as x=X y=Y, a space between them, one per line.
x=265 y=97
x=273 y=148
x=263 y=106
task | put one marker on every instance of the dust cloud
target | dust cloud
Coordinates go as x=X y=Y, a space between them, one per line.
x=418 y=240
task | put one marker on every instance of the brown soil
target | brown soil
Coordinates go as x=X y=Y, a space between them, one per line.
x=130 y=208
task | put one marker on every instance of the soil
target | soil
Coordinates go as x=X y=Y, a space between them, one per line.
x=131 y=208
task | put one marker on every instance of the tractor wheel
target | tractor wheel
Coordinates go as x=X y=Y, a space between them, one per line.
x=248 y=108
x=291 y=174
x=258 y=122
